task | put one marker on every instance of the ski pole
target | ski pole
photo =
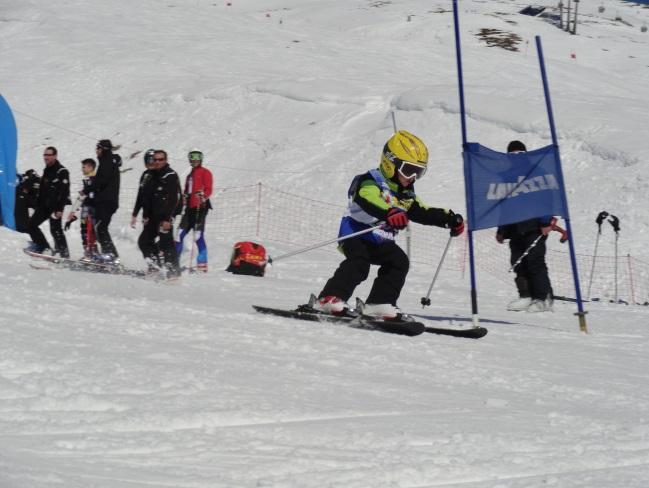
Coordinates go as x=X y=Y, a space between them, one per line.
x=527 y=251
x=321 y=244
x=615 y=223
x=426 y=300
x=600 y=218
x=553 y=224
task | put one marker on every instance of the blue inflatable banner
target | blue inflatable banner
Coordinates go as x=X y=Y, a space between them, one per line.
x=505 y=188
x=8 y=150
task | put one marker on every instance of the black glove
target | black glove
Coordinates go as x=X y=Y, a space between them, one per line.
x=615 y=222
x=600 y=217
x=69 y=223
x=456 y=224
x=397 y=218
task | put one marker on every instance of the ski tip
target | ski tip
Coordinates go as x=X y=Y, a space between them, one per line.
x=472 y=333
x=478 y=332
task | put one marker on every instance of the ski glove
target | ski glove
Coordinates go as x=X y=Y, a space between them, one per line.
x=601 y=217
x=456 y=224
x=397 y=218
x=69 y=222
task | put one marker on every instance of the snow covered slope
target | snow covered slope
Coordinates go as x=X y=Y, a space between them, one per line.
x=110 y=381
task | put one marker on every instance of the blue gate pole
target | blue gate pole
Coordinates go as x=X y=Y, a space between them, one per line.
x=580 y=306
x=460 y=79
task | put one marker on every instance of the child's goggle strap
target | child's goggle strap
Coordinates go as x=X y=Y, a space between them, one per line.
x=411 y=170
x=195 y=156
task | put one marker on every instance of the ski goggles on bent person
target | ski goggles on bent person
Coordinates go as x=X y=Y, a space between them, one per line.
x=411 y=170
x=195 y=156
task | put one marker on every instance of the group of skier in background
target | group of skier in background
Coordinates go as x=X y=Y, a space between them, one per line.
x=159 y=196
x=381 y=202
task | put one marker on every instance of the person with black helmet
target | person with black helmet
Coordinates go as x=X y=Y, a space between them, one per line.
x=145 y=179
x=53 y=196
x=27 y=187
x=106 y=191
x=532 y=279
x=387 y=195
x=196 y=200
x=159 y=203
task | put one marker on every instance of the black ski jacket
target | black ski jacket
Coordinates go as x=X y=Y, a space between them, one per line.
x=160 y=197
x=27 y=188
x=54 y=191
x=523 y=228
x=106 y=184
x=145 y=179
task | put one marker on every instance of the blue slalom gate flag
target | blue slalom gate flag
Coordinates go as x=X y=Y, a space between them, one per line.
x=505 y=188
x=8 y=150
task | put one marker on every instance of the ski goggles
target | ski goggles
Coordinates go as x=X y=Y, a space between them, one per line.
x=411 y=170
x=195 y=156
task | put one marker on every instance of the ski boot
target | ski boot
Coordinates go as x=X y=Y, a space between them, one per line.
x=382 y=311
x=519 y=305
x=330 y=305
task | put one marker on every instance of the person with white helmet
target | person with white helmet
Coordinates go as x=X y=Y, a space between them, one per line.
x=385 y=194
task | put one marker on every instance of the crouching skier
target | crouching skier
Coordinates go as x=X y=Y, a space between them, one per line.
x=386 y=194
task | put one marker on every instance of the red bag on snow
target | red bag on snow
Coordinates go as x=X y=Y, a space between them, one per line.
x=248 y=258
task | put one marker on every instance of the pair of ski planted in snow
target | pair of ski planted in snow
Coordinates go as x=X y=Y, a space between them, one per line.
x=402 y=325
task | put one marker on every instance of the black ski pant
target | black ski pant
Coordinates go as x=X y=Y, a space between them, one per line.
x=103 y=214
x=60 y=243
x=360 y=254
x=532 y=279
x=153 y=241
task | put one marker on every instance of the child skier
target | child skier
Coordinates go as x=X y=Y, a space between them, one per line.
x=386 y=195
x=86 y=208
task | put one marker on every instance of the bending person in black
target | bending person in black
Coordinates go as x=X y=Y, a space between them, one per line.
x=26 y=198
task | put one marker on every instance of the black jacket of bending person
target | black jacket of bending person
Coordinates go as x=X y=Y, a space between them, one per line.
x=161 y=195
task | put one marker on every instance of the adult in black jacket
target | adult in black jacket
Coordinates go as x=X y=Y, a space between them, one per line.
x=532 y=279
x=160 y=197
x=53 y=196
x=106 y=190
x=145 y=177
x=26 y=198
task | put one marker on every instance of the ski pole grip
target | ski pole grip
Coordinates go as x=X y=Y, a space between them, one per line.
x=601 y=217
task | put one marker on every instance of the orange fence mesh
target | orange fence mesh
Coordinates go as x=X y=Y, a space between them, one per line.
x=265 y=214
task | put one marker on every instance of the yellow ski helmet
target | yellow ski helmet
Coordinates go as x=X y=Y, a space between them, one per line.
x=404 y=153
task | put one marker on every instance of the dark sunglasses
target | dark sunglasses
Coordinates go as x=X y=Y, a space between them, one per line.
x=48 y=154
x=159 y=159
